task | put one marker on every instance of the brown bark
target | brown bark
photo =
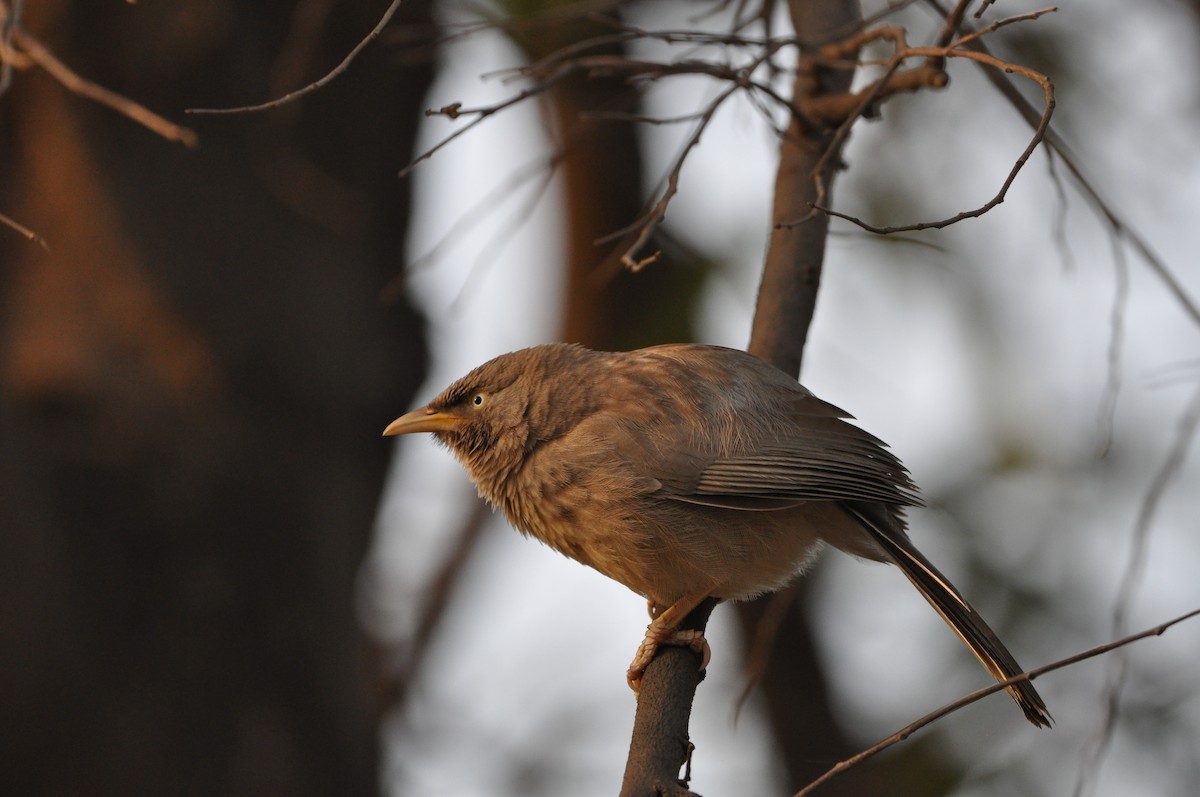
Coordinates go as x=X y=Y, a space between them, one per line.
x=660 y=746
x=787 y=296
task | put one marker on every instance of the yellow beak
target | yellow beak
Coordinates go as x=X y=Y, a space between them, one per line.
x=423 y=420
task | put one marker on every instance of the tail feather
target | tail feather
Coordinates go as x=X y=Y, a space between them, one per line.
x=954 y=609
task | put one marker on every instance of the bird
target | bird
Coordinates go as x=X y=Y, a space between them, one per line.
x=688 y=472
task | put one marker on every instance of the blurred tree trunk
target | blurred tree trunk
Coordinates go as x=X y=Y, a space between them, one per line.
x=603 y=178
x=192 y=383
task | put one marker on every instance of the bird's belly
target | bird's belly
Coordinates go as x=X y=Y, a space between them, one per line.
x=747 y=553
x=602 y=535
x=663 y=549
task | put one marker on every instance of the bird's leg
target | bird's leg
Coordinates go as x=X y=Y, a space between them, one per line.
x=664 y=630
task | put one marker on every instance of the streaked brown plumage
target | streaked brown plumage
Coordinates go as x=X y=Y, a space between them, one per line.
x=688 y=471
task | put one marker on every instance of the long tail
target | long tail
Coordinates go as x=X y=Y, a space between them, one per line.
x=953 y=608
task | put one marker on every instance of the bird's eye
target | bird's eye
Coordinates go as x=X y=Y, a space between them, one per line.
x=479 y=399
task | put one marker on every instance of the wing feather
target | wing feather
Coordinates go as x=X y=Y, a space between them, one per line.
x=798 y=448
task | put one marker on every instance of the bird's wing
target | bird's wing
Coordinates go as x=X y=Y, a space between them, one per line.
x=810 y=470
x=814 y=456
x=719 y=427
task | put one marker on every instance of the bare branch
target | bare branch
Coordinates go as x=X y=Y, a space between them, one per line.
x=951 y=24
x=845 y=109
x=869 y=97
x=978 y=695
x=973 y=36
x=811 y=111
x=454 y=111
x=632 y=68
x=27 y=233
x=506 y=232
x=1038 y=135
x=1116 y=337
x=649 y=221
x=543 y=167
x=621 y=116
x=982 y=8
x=314 y=86
x=1091 y=194
x=43 y=57
x=1132 y=578
x=571 y=59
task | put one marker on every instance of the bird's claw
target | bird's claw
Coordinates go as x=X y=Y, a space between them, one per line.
x=686 y=638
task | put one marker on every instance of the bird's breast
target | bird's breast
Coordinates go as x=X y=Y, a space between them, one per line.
x=587 y=511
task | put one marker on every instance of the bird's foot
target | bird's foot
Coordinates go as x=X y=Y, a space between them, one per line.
x=656 y=637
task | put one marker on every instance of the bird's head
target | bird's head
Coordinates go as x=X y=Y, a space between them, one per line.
x=494 y=415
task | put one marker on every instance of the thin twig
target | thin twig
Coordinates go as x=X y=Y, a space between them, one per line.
x=1090 y=192
x=1132 y=578
x=1116 y=339
x=564 y=53
x=1038 y=135
x=458 y=232
x=764 y=110
x=950 y=26
x=978 y=695
x=505 y=233
x=870 y=96
x=649 y=221
x=27 y=233
x=43 y=57
x=1061 y=239
x=630 y=68
x=309 y=19
x=972 y=36
x=847 y=109
x=314 y=86
x=982 y=8
x=626 y=116
x=452 y=111
x=571 y=59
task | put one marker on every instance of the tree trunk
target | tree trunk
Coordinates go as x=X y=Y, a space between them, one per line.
x=194 y=376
